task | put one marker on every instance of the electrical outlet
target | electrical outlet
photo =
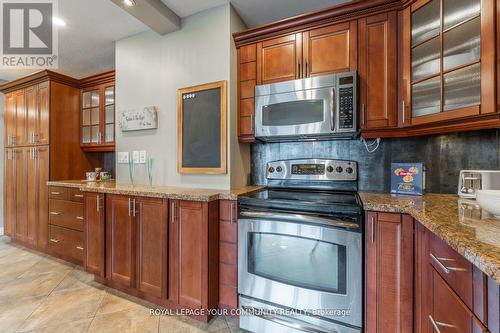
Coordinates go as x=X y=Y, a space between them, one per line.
x=135 y=156
x=142 y=156
x=123 y=157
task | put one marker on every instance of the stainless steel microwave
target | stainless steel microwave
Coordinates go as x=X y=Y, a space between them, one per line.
x=320 y=107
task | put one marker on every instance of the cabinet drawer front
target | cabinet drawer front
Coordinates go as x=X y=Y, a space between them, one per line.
x=75 y=195
x=56 y=192
x=228 y=274
x=454 y=269
x=228 y=232
x=66 y=242
x=228 y=296
x=449 y=314
x=66 y=214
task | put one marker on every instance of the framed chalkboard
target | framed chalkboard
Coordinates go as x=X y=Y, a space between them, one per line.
x=202 y=134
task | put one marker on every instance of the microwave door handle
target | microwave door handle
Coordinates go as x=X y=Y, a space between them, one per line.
x=333 y=109
x=299 y=218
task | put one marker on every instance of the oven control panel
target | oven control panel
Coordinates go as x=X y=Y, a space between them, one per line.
x=312 y=169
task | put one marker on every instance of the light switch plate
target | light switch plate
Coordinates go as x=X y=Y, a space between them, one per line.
x=135 y=156
x=123 y=157
x=142 y=156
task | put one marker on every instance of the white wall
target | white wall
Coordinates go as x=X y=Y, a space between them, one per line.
x=149 y=71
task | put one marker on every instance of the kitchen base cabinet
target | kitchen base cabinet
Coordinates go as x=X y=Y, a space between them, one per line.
x=451 y=295
x=389 y=273
x=228 y=238
x=94 y=233
x=194 y=255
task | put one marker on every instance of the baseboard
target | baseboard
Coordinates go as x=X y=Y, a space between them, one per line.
x=1 y=231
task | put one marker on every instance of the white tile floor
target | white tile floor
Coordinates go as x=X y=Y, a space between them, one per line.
x=39 y=293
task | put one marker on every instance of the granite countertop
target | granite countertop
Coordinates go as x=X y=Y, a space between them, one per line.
x=166 y=192
x=460 y=223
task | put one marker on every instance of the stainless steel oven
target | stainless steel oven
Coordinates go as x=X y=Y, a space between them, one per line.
x=300 y=264
x=320 y=107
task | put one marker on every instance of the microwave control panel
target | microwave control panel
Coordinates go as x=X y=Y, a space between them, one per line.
x=346 y=108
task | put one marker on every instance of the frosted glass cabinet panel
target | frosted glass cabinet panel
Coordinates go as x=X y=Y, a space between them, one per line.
x=426 y=22
x=458 y=11
x=462 y=45
x=445 y=57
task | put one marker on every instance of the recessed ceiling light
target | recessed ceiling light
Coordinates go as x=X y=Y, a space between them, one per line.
x=59 y=21
x=129 y=3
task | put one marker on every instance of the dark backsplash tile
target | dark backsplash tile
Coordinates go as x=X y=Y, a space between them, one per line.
x=443 y=155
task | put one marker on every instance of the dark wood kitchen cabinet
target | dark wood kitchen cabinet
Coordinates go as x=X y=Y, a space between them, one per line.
x=228 y=247
x=279 y=59
x=377 y=71
x=94 y=231
x=389 y=273
x=247 y=78
x=451 y=294
x=136 y=241
x=97 y=118
x=194 y=255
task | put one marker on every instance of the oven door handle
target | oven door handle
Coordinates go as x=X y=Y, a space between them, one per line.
x=299 y=218
x=286 y=321
x=333 y=109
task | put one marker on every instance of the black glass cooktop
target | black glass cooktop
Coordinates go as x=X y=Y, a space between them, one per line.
x=330 y=202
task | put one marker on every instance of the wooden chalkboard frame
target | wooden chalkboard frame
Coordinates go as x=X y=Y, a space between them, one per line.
x=222 y=85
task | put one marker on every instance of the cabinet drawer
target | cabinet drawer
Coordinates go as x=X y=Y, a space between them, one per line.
x=66 y=214
x=449 y=313
x=228 y=232
x=60 y=193
x=75 y=195
x=455 y=269
x=66 y=242
x=228 y=274
x=228 y=296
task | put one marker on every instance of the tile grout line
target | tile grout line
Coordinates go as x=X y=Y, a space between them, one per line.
x=97 y=309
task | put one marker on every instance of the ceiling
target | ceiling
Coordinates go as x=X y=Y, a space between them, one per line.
x=86 y=44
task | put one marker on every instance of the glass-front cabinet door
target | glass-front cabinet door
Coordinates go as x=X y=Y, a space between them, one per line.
x=98 y=118
x=446 y=59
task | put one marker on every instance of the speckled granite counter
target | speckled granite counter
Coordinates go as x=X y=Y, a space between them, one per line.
x=168 y=192
x=460 y=223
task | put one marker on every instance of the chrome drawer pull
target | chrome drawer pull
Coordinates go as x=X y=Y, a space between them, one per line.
x=79 y=248
x=55 y=213
x=436 y=324
x=78 y=195
x=54 y=240
x=446 y=269
x=55 y=193
x=79 y=217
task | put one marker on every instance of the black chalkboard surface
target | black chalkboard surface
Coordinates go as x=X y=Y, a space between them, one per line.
x=202 y=129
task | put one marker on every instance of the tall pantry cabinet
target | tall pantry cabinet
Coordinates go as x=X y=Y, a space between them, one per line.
x=41 y=115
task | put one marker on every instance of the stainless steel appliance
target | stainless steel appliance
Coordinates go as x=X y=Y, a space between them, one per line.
x=470 y=181
x=319 y=107
x=300 y=264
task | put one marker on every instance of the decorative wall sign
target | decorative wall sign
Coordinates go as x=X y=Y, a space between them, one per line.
x=138 y=119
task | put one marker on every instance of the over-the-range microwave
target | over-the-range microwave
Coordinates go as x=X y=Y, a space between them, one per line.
x=320 y=107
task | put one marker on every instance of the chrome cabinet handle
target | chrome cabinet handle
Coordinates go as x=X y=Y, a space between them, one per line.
x=231 y=212
x=404 y=113
x=55 y=193
x=98 y=202
x=55 y=213
x=78 y=195
x=53 y=240
x=172 y=213
x=133 y=207
x=128 y=206
x=372 y=222
x=306 y=73
x=35 y=137
x=362 y=114
x=80 y=248
x=298 y=71
x=436 y=324
x=79 y=217
x=446 y=269
x=299 y=218
x=286 y=321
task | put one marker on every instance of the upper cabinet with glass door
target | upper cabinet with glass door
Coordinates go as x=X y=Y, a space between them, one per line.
x=449 y=58
x=98 y=113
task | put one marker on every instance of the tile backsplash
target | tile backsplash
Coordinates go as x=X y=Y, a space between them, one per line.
x=444 y=156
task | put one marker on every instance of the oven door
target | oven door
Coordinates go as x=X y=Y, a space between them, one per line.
x=311 y=267
x=299 y=113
